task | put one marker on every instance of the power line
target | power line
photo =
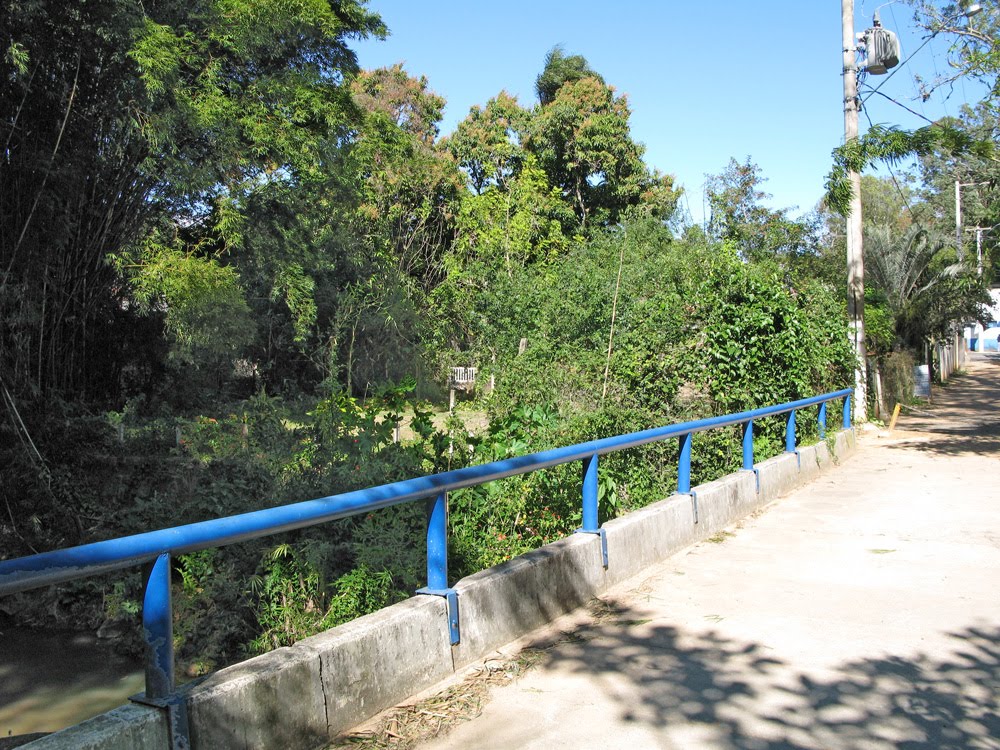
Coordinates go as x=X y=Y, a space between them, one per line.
x=938 y=77
x=898 y=68
x=913 y=75
x=900 y=104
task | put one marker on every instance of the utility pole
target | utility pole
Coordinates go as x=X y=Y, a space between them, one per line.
x=958 y=218
x=855 y=252
x=958 y=213
x=979 y=246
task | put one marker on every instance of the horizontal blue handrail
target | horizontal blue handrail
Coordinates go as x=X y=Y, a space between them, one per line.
x=64 y=565
x=155 y=548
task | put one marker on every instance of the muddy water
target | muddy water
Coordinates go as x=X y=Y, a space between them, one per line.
x=49 y=681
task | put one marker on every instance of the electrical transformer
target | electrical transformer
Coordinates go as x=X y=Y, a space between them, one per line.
x=882 y=47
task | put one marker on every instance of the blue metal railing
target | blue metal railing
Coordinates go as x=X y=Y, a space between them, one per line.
x=155 y=549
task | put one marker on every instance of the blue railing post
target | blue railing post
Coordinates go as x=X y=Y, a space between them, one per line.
x=847 y=412
x=590 y=494
x=821 y=419
x=590 y=521
x=437 y=543
x=437 y=561
x=684 y=466
x=790 y=432
x=158 y=630
x=748 y=445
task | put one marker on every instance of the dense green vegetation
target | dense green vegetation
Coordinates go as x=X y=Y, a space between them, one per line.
x=232 y=261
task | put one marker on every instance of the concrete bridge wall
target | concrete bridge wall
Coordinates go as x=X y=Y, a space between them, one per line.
x=303 y=695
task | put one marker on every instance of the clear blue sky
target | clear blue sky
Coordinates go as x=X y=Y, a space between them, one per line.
x=706 y=81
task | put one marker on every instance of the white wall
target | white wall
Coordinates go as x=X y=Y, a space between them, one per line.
x=995 y=309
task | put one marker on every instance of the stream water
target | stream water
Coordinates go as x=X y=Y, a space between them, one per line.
x=49 y=681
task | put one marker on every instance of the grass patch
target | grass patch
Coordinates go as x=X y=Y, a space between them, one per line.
x=720 y=537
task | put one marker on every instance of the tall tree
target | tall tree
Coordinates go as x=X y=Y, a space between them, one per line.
x=337 y=266
x=979 y=178
x=410 y=180
x=560 y=70
x=117 y=115
x=582 y=141
x=739 y=216
x=488 y=143
x=514 y=226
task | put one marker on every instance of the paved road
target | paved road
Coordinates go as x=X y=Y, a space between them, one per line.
x=862 y=611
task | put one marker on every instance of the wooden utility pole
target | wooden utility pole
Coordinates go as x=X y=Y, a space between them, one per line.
x=855 y=252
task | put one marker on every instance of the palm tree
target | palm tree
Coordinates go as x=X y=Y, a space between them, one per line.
x=926 y=287
x=560 y=70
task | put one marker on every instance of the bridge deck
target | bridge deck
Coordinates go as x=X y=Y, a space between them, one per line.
x=859 y=612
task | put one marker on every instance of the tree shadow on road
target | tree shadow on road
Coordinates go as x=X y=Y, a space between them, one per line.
x=738 y=695
x=981 y=437
x=964 y=417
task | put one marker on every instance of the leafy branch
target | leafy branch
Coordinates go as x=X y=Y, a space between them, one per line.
x=890 y=145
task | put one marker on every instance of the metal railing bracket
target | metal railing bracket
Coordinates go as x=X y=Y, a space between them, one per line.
x=451 y=599
x=604 y=543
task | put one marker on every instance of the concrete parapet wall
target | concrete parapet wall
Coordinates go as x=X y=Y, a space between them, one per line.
x=129 y=726
x=381 y=659
x=301 y=696
x=274 y=700
x=503 y=603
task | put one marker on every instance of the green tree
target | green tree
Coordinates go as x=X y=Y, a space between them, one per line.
x=891 y=202
x=410 y=182
x=925 y=285
x=405 y=101
x=980 y=178
x=506 y=229
x=118 y=116
x=298 y=259
x=206 y=316
x=582 y=141
x=738 y=216
x=488 y=143
x=974 y=51
x=887 y=202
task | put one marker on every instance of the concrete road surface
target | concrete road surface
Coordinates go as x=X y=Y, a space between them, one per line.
x=862 y=611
